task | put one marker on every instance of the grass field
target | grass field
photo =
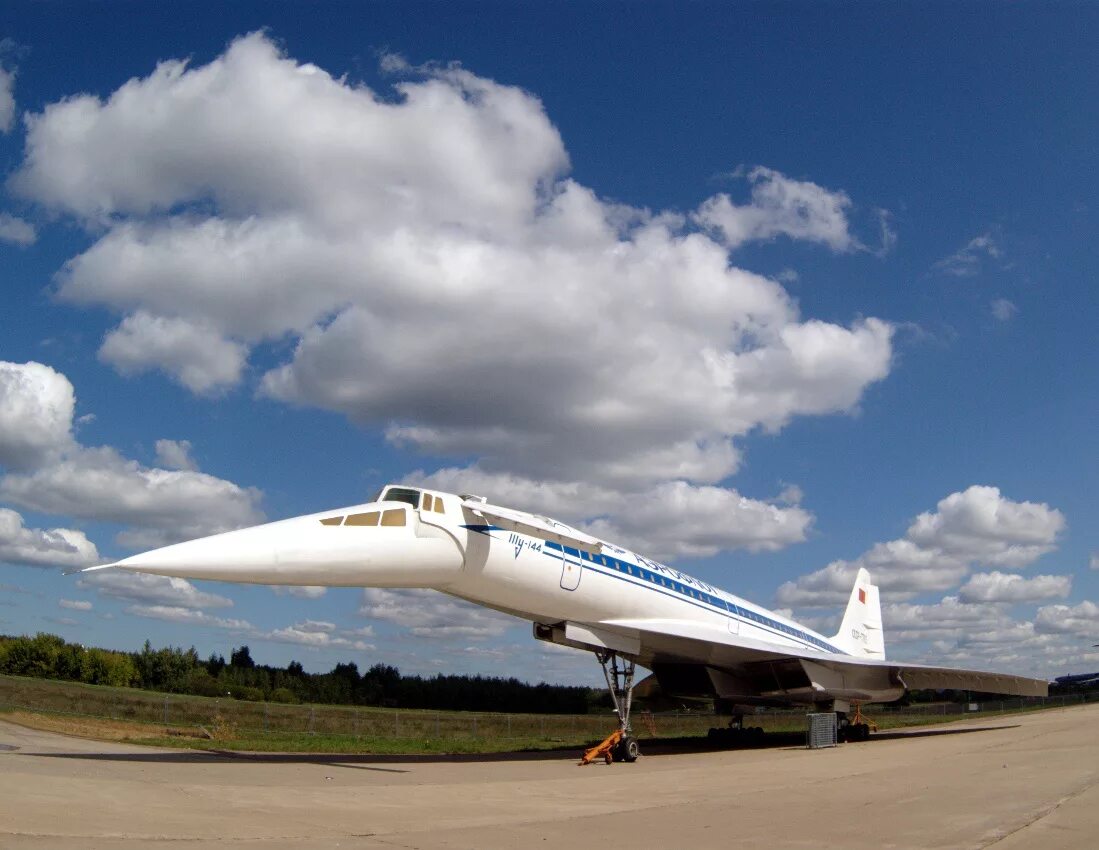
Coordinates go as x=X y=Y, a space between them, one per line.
x=126 y=714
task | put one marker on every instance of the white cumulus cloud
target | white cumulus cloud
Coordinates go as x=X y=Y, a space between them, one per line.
x=781 y=206
x=152 y=590
x=441 y=275
x=175 y=454
x=188 y=616
x=318 y=635
x=43 y=547
x=48 y=471
x=36 y=412
x=430 y=614
x=16 y=230
x=976 y=526
x=1082 y=620
x=1011 y=587
x=193 y=353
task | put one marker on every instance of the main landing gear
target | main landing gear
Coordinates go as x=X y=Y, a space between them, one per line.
x=855 y=728
x=620 y=745
x=736 y=734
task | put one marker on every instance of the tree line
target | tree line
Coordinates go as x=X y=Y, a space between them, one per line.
x=181 y=671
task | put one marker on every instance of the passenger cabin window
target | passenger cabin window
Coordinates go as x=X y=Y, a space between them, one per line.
x=332 y=520
x=401 y=494
x=369 y=518
x=396 y=517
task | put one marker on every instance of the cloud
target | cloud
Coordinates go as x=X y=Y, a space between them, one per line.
x=1081 y=620
x=1008 y=587
x=40 y=547
x=99 y=484
x=152 y=590
x=15 y=230
x=438 y=272
x=1094 y=562
x=780 y=206
x=319 y=635
x=300 y=591
x=49 y=471
x=949 y=619
x=662 y=521
x=430 y=614
x=75 y=604
x=188 y=616
x=7 y=100
x=175 y=454
x=1003 y=310
x=966 y=261
x=191 y=352
x=975 y=526
x=36 y=411
x=981 y=525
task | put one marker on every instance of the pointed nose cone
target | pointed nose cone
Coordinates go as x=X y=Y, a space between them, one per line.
x=312 y=550
x=234 y=556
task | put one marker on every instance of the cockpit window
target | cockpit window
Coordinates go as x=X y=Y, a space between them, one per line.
x=429 y=501
x=401 y=494
x=332 y=520
x=396 y=517
x=369 y=518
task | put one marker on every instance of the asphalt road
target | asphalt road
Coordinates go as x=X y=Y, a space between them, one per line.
x=1007 y=783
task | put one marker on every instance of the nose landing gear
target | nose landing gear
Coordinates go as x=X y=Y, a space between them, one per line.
x=620 y=745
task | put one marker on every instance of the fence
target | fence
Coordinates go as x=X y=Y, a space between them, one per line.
x=180 y=712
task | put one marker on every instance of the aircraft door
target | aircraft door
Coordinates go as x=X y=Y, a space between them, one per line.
x=734 y=623
x=571 y=568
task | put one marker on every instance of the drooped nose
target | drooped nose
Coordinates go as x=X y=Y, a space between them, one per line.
x=314 y=550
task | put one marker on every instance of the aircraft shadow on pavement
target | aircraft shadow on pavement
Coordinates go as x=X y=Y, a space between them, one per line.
x=375 y=761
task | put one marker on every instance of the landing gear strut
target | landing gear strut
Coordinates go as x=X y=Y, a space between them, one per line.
x=855 y=728
x=621 y=745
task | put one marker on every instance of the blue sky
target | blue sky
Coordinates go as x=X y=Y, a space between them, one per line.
x=769 y=291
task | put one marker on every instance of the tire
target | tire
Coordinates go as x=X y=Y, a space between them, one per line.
x=628 y=751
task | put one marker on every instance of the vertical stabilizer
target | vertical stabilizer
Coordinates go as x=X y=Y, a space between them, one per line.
x=861 y=632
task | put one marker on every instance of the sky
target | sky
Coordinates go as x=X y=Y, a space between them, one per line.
x=766 y=291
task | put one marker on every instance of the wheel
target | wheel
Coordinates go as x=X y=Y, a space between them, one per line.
x=864 y=732
x=626 y=750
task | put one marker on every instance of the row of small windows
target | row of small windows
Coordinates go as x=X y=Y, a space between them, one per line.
x=371 y=518
x=648 y=575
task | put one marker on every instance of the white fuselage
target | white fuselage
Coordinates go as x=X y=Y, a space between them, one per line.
x=449 y=548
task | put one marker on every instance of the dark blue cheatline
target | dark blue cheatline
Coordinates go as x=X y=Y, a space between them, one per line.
x=684 y=592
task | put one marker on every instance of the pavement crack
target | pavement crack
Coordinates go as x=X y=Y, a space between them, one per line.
x=1041 y=814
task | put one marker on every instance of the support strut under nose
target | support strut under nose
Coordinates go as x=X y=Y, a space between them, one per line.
x=619 y=675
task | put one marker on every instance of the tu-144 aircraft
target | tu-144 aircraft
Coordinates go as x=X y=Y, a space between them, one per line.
x=585 y=593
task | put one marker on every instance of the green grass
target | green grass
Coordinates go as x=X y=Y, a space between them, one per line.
x=174 y=720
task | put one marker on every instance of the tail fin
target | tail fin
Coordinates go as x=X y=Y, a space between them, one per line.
x=861 y=632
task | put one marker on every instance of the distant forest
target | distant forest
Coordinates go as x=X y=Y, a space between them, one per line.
x=181 y=671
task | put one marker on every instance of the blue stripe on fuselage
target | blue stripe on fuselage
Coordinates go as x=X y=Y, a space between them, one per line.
x=652 y=580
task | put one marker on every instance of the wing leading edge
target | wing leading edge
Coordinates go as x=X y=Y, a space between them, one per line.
x=744 y=667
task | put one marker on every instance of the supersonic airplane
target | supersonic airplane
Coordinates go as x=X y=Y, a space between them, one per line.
x=586 y=593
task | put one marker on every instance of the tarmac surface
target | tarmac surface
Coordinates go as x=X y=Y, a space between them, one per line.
x=1018 y=781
